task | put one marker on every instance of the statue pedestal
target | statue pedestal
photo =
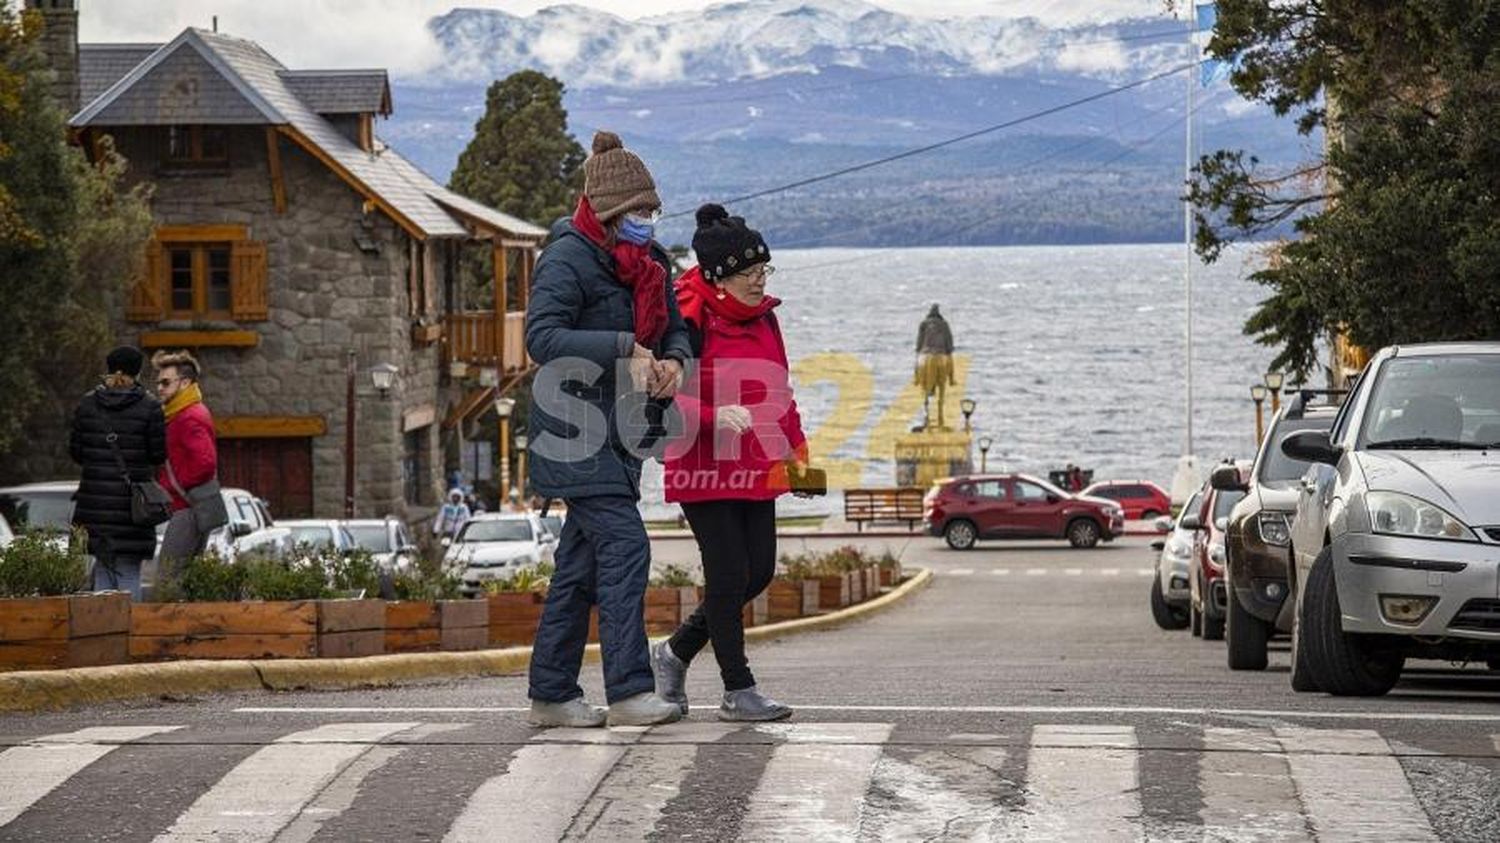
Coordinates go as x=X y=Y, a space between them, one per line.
x=926 y=455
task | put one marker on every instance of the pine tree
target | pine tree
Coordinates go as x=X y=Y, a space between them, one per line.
x=71 y=241
x=522 y=159
x=1400 y=236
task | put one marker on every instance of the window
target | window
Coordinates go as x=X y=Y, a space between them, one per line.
x=191 y=147
x=1029 y=492
x=199 y=279
x=414 y=462
x=992 y=489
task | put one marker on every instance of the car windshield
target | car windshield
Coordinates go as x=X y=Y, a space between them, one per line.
x=1450 y=401
x=496 y=531
x=1048 y=487
x=313 y=536
x=1193 y=504
x=372 y=537
x=1277 y=466
x=38 y=511
x=1225 y=501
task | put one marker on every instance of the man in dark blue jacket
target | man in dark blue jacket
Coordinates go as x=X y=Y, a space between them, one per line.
x=603 y=326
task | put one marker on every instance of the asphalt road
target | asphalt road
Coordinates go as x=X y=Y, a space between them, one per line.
x=1025 y=695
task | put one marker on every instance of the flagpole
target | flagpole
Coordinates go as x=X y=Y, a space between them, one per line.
x=1185 y=481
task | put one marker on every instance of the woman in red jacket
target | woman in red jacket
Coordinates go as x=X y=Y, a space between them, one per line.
x=741 y=434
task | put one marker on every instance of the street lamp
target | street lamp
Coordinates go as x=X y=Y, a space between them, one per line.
x=503 y=408
x=1274 y=380
x=521 y=462
x=1258 y=395
x=967 y=406
x=984 y=448
x=384 y=377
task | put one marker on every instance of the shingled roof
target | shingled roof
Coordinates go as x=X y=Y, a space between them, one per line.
x=102 y=65
x=206 y=77
x=341 y=91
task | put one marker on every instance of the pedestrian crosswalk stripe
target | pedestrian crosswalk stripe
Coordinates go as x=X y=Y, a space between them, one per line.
x=1074 y=572
x=1326 y=762
x=1109 y=572
x=944 y=793
x=1081 y=783
x=962 y=572
x=627 y=804
x=268 y=790
x=814 y=791
x=1001 y=572
x=538 y=795
x=31 y=771
x=1245 y=780
x=1036 y=572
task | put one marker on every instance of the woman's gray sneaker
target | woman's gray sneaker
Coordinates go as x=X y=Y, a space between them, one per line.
x=574 y=713
x=643 y=710
x=749 y=704
x=671 y=675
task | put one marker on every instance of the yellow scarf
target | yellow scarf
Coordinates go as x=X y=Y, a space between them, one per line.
x=185 y=398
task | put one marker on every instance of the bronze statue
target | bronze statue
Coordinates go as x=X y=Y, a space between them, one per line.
x=934 y=371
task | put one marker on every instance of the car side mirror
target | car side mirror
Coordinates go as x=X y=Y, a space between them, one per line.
x=1226 y=478
x=1222 y=524
x=240 y=529
x=445 y=541
x=1311 y=446
x=1191 y=522
x=1158 y=545
x=1163 y=524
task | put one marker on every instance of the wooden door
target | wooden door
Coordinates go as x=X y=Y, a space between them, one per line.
x=279 y=470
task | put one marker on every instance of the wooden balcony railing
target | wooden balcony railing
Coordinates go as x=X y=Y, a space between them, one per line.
x=471 y=338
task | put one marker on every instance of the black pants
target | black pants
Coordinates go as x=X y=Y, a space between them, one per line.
x=737 y=540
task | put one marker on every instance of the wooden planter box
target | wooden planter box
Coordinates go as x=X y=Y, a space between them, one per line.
x=412 y=626
x=790 y=599
x=856 y=585
x=890 y=575
x=465 y=624
x=872 y=582
x=513 y=618
x=833 y=592
x=758 y=611
x=666 y=608
x=79 y=630
x=256 y=629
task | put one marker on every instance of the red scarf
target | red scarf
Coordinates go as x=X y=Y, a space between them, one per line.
x=634 y=268
x=694 y=295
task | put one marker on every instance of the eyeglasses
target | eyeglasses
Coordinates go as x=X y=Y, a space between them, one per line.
x=764 y=270
x=166 y=382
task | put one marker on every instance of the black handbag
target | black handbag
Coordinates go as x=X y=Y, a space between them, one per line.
x=149 y=502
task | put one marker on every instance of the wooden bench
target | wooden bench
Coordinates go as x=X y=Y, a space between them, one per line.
x=862 y=506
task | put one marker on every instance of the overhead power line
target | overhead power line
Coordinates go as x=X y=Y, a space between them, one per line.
x=878 y=162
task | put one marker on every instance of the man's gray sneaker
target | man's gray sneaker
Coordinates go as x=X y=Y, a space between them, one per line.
x=574 y=713
x=643 y=710
x=750 y=705
x=671 y=675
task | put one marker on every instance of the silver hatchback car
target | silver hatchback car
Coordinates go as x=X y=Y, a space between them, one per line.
x=1396 y=541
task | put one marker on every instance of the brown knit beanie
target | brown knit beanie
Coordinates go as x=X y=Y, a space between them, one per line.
x=615 y=180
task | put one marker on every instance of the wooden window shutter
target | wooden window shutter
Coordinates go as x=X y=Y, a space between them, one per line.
x=248 y=282
x=147 y=296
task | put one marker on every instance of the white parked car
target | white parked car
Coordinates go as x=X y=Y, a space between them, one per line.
x=387 y=540
x=6 y=536
x=495 y=546
x=318 y=533
x=39 y=506
x=1170 y=588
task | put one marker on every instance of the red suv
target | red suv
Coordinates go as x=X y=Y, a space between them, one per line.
x=1208 y=601
x=1141 y=499
x=1016 y=506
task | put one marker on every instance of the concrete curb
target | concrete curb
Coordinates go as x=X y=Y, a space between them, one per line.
x=37 y=690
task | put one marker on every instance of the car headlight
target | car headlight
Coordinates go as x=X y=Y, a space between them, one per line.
x=1396 y=514
x=1216 y=553
x=1275 y=528
x=1180 y=550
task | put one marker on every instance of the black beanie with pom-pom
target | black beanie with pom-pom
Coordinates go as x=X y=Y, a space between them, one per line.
x=725 y=245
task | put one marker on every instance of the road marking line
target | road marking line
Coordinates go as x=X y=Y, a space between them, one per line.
x=536 y=798
x=1036 y=572
x=1082 y=783
x=1145 y=572
x=630 y=800
x=1246 y=783
x=337 y=797
x=265 y=792
x=36 y=768
x=1324 y=763
x=1109 y=572
x=1073 y=572
x=811 y=789
x=944 y=793
x=1000 y=572
x=962 y=572
x=1435 y=716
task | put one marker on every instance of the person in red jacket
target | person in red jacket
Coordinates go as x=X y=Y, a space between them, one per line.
x=741 y=436
x=192 y=456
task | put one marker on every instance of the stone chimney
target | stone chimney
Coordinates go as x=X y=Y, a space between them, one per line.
x=60 y=43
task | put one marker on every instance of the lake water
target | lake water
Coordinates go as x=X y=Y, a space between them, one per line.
x=1073 y=353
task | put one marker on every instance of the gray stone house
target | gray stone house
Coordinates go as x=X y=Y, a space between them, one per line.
x=293 y=247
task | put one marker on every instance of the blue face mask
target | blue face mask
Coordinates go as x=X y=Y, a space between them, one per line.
x=636 y=230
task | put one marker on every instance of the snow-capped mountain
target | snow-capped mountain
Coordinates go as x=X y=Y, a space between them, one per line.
x=759 y=38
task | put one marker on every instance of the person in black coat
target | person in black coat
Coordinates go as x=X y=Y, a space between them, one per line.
x=102 y=504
